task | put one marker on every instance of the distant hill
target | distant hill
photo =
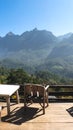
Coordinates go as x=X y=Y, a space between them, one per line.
x=38 y=50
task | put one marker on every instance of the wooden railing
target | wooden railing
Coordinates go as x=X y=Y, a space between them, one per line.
x=55 y=93
x=61 y=92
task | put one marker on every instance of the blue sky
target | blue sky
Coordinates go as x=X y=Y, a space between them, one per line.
x=19 y=16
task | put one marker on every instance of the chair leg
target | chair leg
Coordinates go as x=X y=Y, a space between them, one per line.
x=44 y=106
x=47 y=99
x=47 y=102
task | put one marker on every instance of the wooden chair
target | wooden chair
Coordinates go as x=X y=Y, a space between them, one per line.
x=36 y=92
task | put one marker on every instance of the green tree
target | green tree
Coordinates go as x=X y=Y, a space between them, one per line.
x=17 y=76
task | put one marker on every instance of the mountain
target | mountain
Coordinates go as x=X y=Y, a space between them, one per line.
x=38 y=50
x=28 y=40
x=63 y=49
x=31 y=47
x=60 y=60
x=65 y=36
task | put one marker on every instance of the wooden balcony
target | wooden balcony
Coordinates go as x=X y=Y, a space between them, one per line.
x=58 y=116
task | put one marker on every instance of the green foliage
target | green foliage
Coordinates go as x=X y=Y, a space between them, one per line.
x=2 y=79
x=47 y=77
x=18 y=76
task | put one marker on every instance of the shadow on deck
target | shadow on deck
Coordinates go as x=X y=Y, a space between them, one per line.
x=70 y=111
x=19 y=115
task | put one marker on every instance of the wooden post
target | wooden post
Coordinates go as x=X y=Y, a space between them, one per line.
x=8 y=104
x=17 y=97
x=24 y=97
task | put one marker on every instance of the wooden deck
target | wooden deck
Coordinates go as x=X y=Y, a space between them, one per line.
x=59 y=116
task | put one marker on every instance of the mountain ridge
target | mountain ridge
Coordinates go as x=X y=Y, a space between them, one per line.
x=37 y=49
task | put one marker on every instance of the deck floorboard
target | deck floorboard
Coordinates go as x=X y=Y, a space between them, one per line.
x=58 y=116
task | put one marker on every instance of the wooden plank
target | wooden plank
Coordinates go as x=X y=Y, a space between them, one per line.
x=61 y=93
x=61 y=86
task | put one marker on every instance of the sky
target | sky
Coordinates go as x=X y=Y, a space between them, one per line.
x=18 y=16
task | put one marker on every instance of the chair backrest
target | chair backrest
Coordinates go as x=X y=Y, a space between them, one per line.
x=34 y=90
